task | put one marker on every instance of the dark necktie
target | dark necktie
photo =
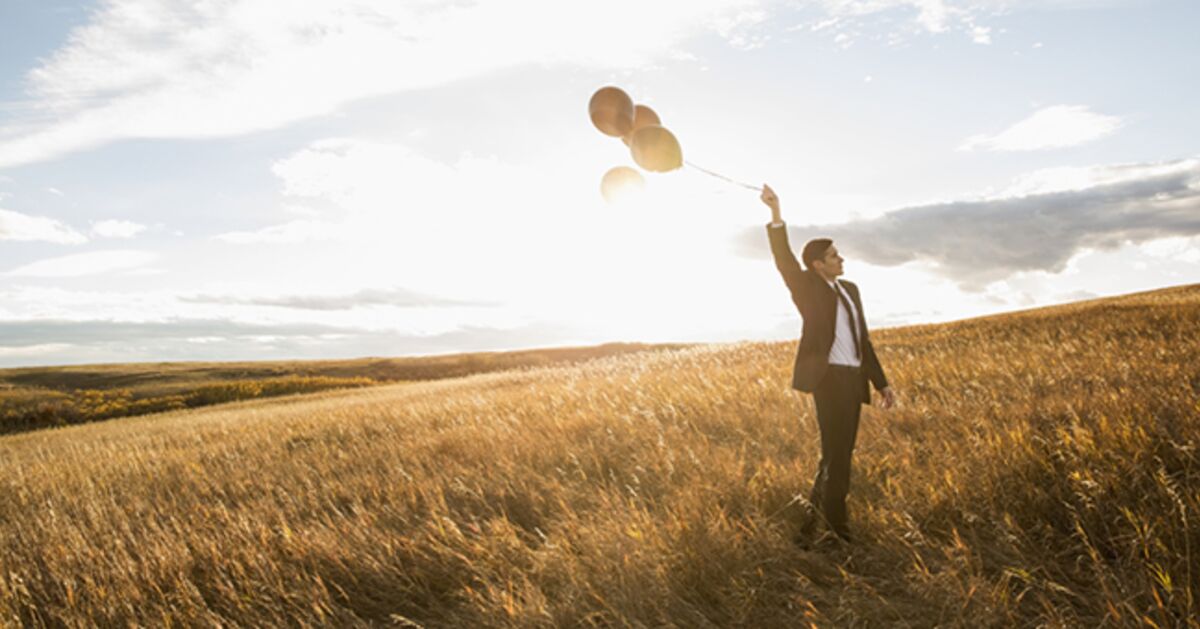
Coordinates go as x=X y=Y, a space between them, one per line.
x=853 y=323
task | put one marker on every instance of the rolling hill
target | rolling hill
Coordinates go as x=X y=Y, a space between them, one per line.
x=32 y=398
x=1041 y=470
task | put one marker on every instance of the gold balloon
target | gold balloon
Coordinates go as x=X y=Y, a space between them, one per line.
x=611 y=111
x=643 y=116
x=619 y=182
x=656 y=149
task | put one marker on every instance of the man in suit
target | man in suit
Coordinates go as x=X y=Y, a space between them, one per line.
x=834 y=362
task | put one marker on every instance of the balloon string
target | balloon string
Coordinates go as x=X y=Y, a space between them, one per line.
x=720 y=176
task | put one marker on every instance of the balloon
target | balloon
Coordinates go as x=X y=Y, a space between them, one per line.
x=611 y=111
x=642 y=116
x=619 y=182
x=656 y=149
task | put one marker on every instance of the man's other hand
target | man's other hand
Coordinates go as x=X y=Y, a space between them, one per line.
x=889 y=398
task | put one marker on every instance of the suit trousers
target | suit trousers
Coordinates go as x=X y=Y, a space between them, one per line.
x=838 y=398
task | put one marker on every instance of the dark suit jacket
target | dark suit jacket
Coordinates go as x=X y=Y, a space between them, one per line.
x=817 y=303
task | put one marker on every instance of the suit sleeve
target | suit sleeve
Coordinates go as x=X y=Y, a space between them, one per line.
x=871 y=365
x=873 y=368
x=786 y=262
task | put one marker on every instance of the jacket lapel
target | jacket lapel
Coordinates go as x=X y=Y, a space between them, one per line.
x=828 y=307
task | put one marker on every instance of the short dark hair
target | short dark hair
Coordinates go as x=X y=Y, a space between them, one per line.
x=814 y=250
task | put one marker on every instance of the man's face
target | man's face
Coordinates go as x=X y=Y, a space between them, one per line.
x=830 y=265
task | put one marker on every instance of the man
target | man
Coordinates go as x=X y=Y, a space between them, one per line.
x=834 y=362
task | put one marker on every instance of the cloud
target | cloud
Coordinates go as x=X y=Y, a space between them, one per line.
x=981 y=35
x=27 y=351
x=739 y=29
x=397 y=297
x=977 y=242
x=167 y=69
x=303 y=230
x=845 y=18
x=61 y=342
x=381 y=194
x=46 y=331
x=23 y=227
x=1049 y=128
x=1177 y=248
x=932 y=15
x=1065 y=178
x=82 y=264
x=113 y=228
x=376 y=190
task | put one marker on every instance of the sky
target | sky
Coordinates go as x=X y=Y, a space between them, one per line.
x=236 y=180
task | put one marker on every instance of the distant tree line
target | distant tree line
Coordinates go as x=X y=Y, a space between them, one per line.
x=21 y=411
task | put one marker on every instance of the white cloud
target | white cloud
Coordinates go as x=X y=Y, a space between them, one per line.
x=1073 y=178
x=395 y=296
x=740 y=29
x=981 y=35
x=977 y=242
x=1052 y=127
x=846 y=17
x=93 y=340
x=1177 y=248
x=23 y=227
x=382 y=191
x=81 y=264
x=932 y=15
x=161 y=69
x=286 y=233
x=30 y=351
x=113 y=228
x=389 y=209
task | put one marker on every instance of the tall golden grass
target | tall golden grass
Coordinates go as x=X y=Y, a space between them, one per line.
x=1041 y=471
x=41 y=397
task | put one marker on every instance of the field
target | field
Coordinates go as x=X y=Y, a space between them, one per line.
x=1040 y=471
x=44 y=397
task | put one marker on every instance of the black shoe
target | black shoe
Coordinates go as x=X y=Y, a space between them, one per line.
x=827 y=539
x=804 y=535
x=810 y=525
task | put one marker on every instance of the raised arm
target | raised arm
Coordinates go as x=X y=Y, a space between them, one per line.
x=781 y=250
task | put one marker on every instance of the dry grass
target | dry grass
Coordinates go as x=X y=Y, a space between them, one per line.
x=181 y=377
x=1041 y=472
x=42 y=397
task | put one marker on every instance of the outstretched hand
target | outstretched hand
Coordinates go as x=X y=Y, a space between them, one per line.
x=772 y=201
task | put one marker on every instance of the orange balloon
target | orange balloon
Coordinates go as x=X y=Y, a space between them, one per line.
x=619 y=182
x=611 y=111
x=643 y=116
x=656 y=149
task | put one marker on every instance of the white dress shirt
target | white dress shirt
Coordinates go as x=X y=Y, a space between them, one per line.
x=842 y=352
